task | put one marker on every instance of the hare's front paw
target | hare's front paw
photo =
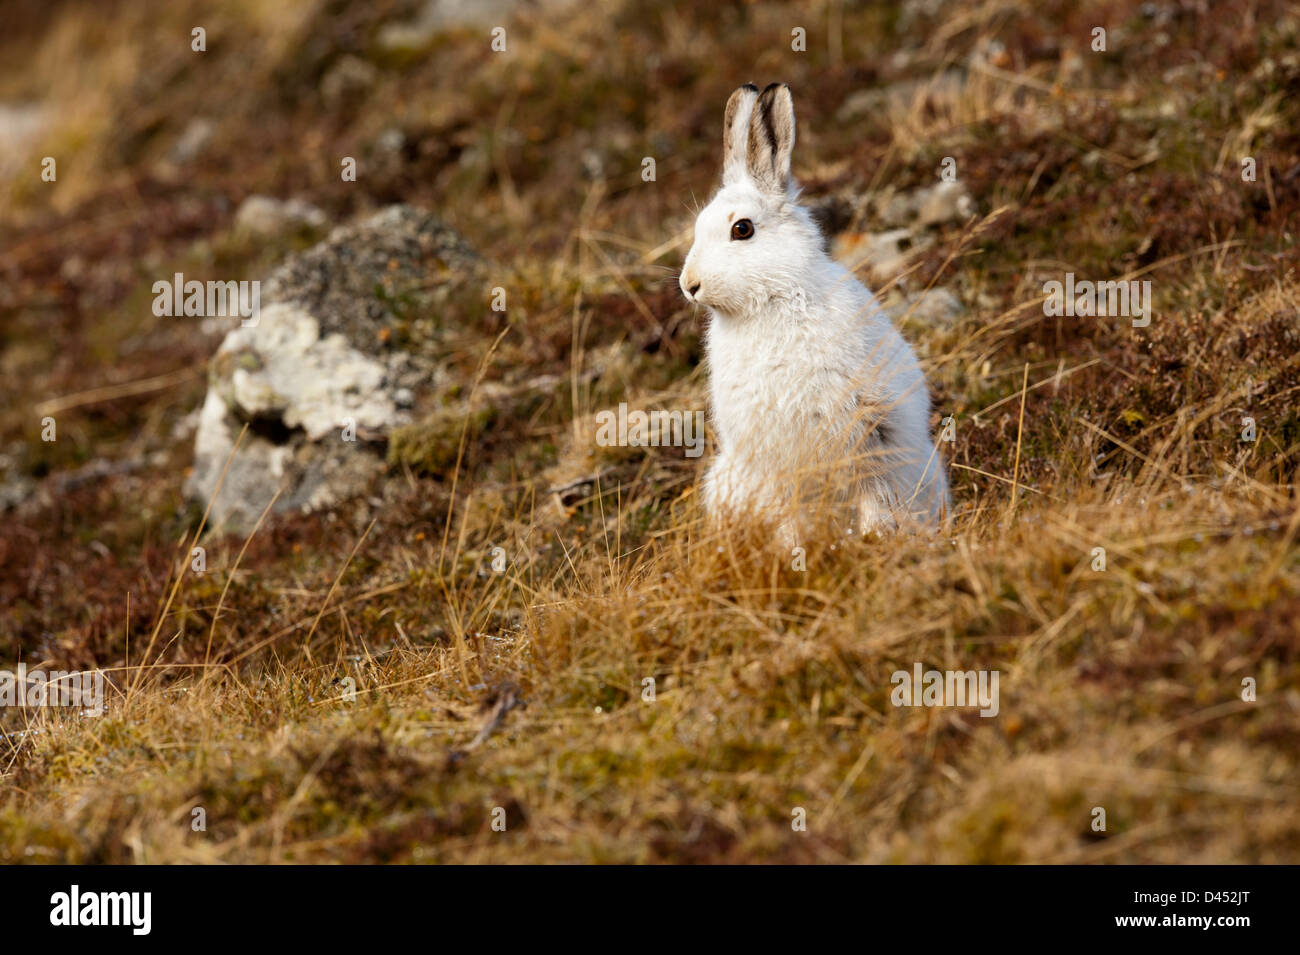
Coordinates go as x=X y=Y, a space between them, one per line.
x=713 y=489
x=876 y=515
x=729 y=491
x=789 y=534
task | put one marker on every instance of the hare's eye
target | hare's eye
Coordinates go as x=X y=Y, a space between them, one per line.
x=742 y=229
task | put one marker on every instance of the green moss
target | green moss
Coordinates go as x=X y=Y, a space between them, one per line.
x=431 y=446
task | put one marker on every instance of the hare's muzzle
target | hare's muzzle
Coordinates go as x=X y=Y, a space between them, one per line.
x=690 y=284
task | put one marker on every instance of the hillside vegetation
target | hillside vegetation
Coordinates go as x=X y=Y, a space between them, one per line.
x=544 y=631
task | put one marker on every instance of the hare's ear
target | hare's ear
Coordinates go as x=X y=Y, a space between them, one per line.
x=735 y=131
x=771 y=139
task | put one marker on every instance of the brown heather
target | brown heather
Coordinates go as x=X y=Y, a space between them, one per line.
x=523 y=689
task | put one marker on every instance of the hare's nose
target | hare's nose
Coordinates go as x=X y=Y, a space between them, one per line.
x=690 y=285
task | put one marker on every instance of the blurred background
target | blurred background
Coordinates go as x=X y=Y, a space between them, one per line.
x=558 y=151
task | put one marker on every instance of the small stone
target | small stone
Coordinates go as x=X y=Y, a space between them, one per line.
x=192 y=140
x=936 y=307
x=266 y=216
x=940 y=204
x=884 y=253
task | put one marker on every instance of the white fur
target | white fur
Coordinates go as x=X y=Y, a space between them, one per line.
x=807 y=376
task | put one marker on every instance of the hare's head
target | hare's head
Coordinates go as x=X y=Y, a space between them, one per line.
x=753 y=241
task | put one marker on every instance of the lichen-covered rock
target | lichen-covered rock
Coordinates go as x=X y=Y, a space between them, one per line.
x=321 y=377
x=883 y=254
x=940 y=204
x=852 y=224
x=934 y=308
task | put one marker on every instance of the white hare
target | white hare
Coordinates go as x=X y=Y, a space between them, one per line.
x=820 y=408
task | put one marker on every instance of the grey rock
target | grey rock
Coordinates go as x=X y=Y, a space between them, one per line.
x=908 y=220
x=940 y=204
x=936 y=308
x=316 y=377
x=883 y=254
x=267 y=216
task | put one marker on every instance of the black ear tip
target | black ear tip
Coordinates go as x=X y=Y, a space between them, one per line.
x=751 y=87
x=773 y=87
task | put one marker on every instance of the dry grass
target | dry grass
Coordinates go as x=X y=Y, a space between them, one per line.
x=525 y=690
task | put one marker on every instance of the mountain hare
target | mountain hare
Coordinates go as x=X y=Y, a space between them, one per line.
x=820 y=408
